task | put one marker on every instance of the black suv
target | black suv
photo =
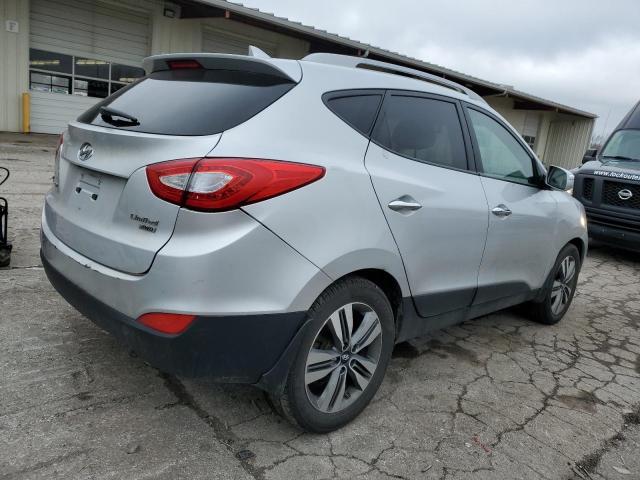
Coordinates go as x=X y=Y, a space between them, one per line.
x=608 y=185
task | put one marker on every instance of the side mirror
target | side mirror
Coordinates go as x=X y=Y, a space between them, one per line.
x=589 y=155
x=559 y=179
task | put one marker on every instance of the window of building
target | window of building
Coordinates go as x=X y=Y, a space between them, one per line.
x=530 y=128
x=531 y=141
x=59 y=73
x=47 y=82
x=501 y=155
x=424 y=129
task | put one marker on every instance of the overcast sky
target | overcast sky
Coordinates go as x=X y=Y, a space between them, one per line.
x=582 y=53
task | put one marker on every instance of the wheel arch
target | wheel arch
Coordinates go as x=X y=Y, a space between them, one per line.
x=581 y=246
x=387 y=283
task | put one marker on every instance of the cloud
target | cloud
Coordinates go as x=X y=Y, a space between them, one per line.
x=583 y=53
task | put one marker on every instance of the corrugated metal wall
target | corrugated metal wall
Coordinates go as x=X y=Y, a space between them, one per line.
x=50 y=112
x=91 y=28
x=102 y=31
x=14 y=62
x=567 y=142
x=219 y=41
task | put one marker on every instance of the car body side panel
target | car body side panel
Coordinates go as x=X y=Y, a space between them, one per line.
x=442 y=242
x=335 y=222
x=568 y=229
x=521 y=247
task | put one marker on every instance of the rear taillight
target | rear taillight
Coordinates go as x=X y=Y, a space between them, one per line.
x=56 y=160
x=170 y=323
x=218 y=184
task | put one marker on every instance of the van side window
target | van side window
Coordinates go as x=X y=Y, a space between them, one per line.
x=359 y=111
x=424 y=129
x=501 y=155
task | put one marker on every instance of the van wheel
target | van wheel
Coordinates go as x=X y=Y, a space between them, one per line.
x=560 y=287
x=342 y=358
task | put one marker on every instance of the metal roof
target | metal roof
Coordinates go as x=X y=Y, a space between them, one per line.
x=393 y=57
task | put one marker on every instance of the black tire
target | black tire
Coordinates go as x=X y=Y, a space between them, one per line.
x=294 y=402
x=543 y=311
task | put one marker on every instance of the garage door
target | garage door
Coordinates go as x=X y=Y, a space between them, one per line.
x=81 y=48
x=218 y=41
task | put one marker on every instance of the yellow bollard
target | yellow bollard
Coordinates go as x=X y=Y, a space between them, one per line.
x=26 y=113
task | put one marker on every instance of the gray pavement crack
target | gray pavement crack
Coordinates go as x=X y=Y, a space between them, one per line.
x=221 y=432
x=589 y=463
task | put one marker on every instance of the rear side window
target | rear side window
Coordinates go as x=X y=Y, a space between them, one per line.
x=425 y=129
x=357 y=109
x=190 y=101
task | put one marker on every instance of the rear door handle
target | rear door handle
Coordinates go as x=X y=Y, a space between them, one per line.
x=404 y=204
x=501 y=211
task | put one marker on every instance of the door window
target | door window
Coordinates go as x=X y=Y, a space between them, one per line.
x=501 y=155
x=424 y=129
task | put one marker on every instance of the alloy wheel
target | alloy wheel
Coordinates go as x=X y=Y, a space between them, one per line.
x=343 y=357
x=563 y=285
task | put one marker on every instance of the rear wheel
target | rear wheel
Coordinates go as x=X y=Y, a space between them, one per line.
x=342 y=359
x=560 y=287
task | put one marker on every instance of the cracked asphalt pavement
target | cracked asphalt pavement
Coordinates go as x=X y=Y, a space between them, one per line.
x=497 y=397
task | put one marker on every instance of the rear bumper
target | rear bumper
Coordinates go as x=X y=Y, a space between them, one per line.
x=239 y=348
x=615 y=237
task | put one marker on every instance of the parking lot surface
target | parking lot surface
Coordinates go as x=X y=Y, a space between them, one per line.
x=497 y=397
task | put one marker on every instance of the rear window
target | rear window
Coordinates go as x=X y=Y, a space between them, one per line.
x=357 y=109
x=190 y=101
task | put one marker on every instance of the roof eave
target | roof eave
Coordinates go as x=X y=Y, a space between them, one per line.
x=393 y=56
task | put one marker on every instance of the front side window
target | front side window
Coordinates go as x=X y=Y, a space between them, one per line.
x=59 y=73
x=501 y=155
x=424 y=129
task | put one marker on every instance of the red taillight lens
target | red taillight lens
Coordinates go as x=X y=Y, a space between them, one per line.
x=169 y=180
x=183 y=64
x=56 y=161
x=218 y=184
x=171 y=323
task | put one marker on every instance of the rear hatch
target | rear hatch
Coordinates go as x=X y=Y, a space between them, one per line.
x=101 y=205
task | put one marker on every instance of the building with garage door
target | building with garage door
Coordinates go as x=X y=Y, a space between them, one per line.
x=68 y=54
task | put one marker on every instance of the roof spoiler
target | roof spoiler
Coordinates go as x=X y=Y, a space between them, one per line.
x=256 y=62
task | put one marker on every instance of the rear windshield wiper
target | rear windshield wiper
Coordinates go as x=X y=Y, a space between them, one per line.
x=621 y=157
x=108 y=114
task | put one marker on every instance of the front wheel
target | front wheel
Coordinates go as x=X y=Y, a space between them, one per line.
x=560 y=287
x=342 y=358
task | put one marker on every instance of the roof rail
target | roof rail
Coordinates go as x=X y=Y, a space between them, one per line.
x=392 y=68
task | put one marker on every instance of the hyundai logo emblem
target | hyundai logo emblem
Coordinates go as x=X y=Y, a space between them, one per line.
x=625 y=194
x=85 y=152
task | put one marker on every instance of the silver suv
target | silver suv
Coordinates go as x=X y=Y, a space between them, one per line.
x=284 y=223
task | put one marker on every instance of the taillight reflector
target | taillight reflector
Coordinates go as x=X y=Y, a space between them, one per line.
x=171 y=323
x=219 y=184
